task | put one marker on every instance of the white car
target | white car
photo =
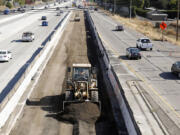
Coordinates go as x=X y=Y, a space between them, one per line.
x=5 y=55
x=58 y=14
x=28 y=36
x=144 y=43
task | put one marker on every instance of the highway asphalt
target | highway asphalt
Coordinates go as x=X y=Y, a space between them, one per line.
x=10 y=39
x=152 y=72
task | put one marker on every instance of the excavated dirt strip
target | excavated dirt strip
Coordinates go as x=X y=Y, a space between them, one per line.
x=42 y=114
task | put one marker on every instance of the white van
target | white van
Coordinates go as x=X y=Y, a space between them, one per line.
x=5 y=55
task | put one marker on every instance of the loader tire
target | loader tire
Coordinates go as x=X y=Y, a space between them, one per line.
x=69 y=96
x=94 y=96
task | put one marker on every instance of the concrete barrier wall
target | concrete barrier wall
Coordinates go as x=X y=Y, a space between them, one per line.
x=22 y=84
x=115 y=91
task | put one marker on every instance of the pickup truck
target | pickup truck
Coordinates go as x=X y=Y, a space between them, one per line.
x=144 y=43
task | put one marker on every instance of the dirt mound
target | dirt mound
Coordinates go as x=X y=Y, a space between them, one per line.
x=87 y=111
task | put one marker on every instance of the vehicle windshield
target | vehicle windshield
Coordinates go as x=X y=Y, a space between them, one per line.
x=134 y=50
x=81 y=73
x=178 y=63
x=27 y=34
x=119 y=26
x=2 y=52
x=145 y=41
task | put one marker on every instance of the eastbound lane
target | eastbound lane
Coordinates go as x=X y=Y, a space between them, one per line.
x=153 y=69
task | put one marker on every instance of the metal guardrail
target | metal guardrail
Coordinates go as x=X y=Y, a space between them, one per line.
x=16 y=81
x=115 y=91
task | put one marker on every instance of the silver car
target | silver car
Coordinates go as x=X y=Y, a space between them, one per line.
x=28 y=37
x=58 y=14
x=176 y=68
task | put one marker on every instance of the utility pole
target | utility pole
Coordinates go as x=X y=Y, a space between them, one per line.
x=130 y=9
x=177 y=21
x=114 y=6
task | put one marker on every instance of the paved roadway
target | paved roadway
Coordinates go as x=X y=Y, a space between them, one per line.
x=152 y=72
x=10 y=39
x=4 y=18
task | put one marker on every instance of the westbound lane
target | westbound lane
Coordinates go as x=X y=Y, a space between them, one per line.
x=4 y=19
x=23 y=51
x=152 y=72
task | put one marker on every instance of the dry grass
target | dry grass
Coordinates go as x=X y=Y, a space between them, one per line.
x=146 y=28
x=2 y=7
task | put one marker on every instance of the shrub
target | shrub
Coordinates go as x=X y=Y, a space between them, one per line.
x=133 y=11
x=9 y=5
x=171 y=13
x=141 y=12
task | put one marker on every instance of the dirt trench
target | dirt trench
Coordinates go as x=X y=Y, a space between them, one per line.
x=43 y=114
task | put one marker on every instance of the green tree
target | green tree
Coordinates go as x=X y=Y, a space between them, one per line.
x=146 y=3
x=21 y=2
x=172 y=5
x=161 y=4
x=140 y=3
x=45 y=0
x=9 y=5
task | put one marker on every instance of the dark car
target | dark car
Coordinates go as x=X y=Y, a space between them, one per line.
x=96 y=9
x=58 y=8
x=44 y=23
x=43 y=18
x=6 y=11
x=61 y=11
x=119 y=28
x=176 y=68
x=22 y=10
x=46 y=7
x=133 y=53
x=18 y=9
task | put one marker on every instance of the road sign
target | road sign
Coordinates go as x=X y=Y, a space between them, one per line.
x=163 y=25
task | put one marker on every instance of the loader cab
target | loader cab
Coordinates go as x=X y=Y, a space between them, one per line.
x=81 y=72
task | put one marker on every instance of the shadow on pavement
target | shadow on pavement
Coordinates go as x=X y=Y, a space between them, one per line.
x=124 y=57
x=169 y=76
x=51 y=104
x=54 y=106
x=18 y=40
